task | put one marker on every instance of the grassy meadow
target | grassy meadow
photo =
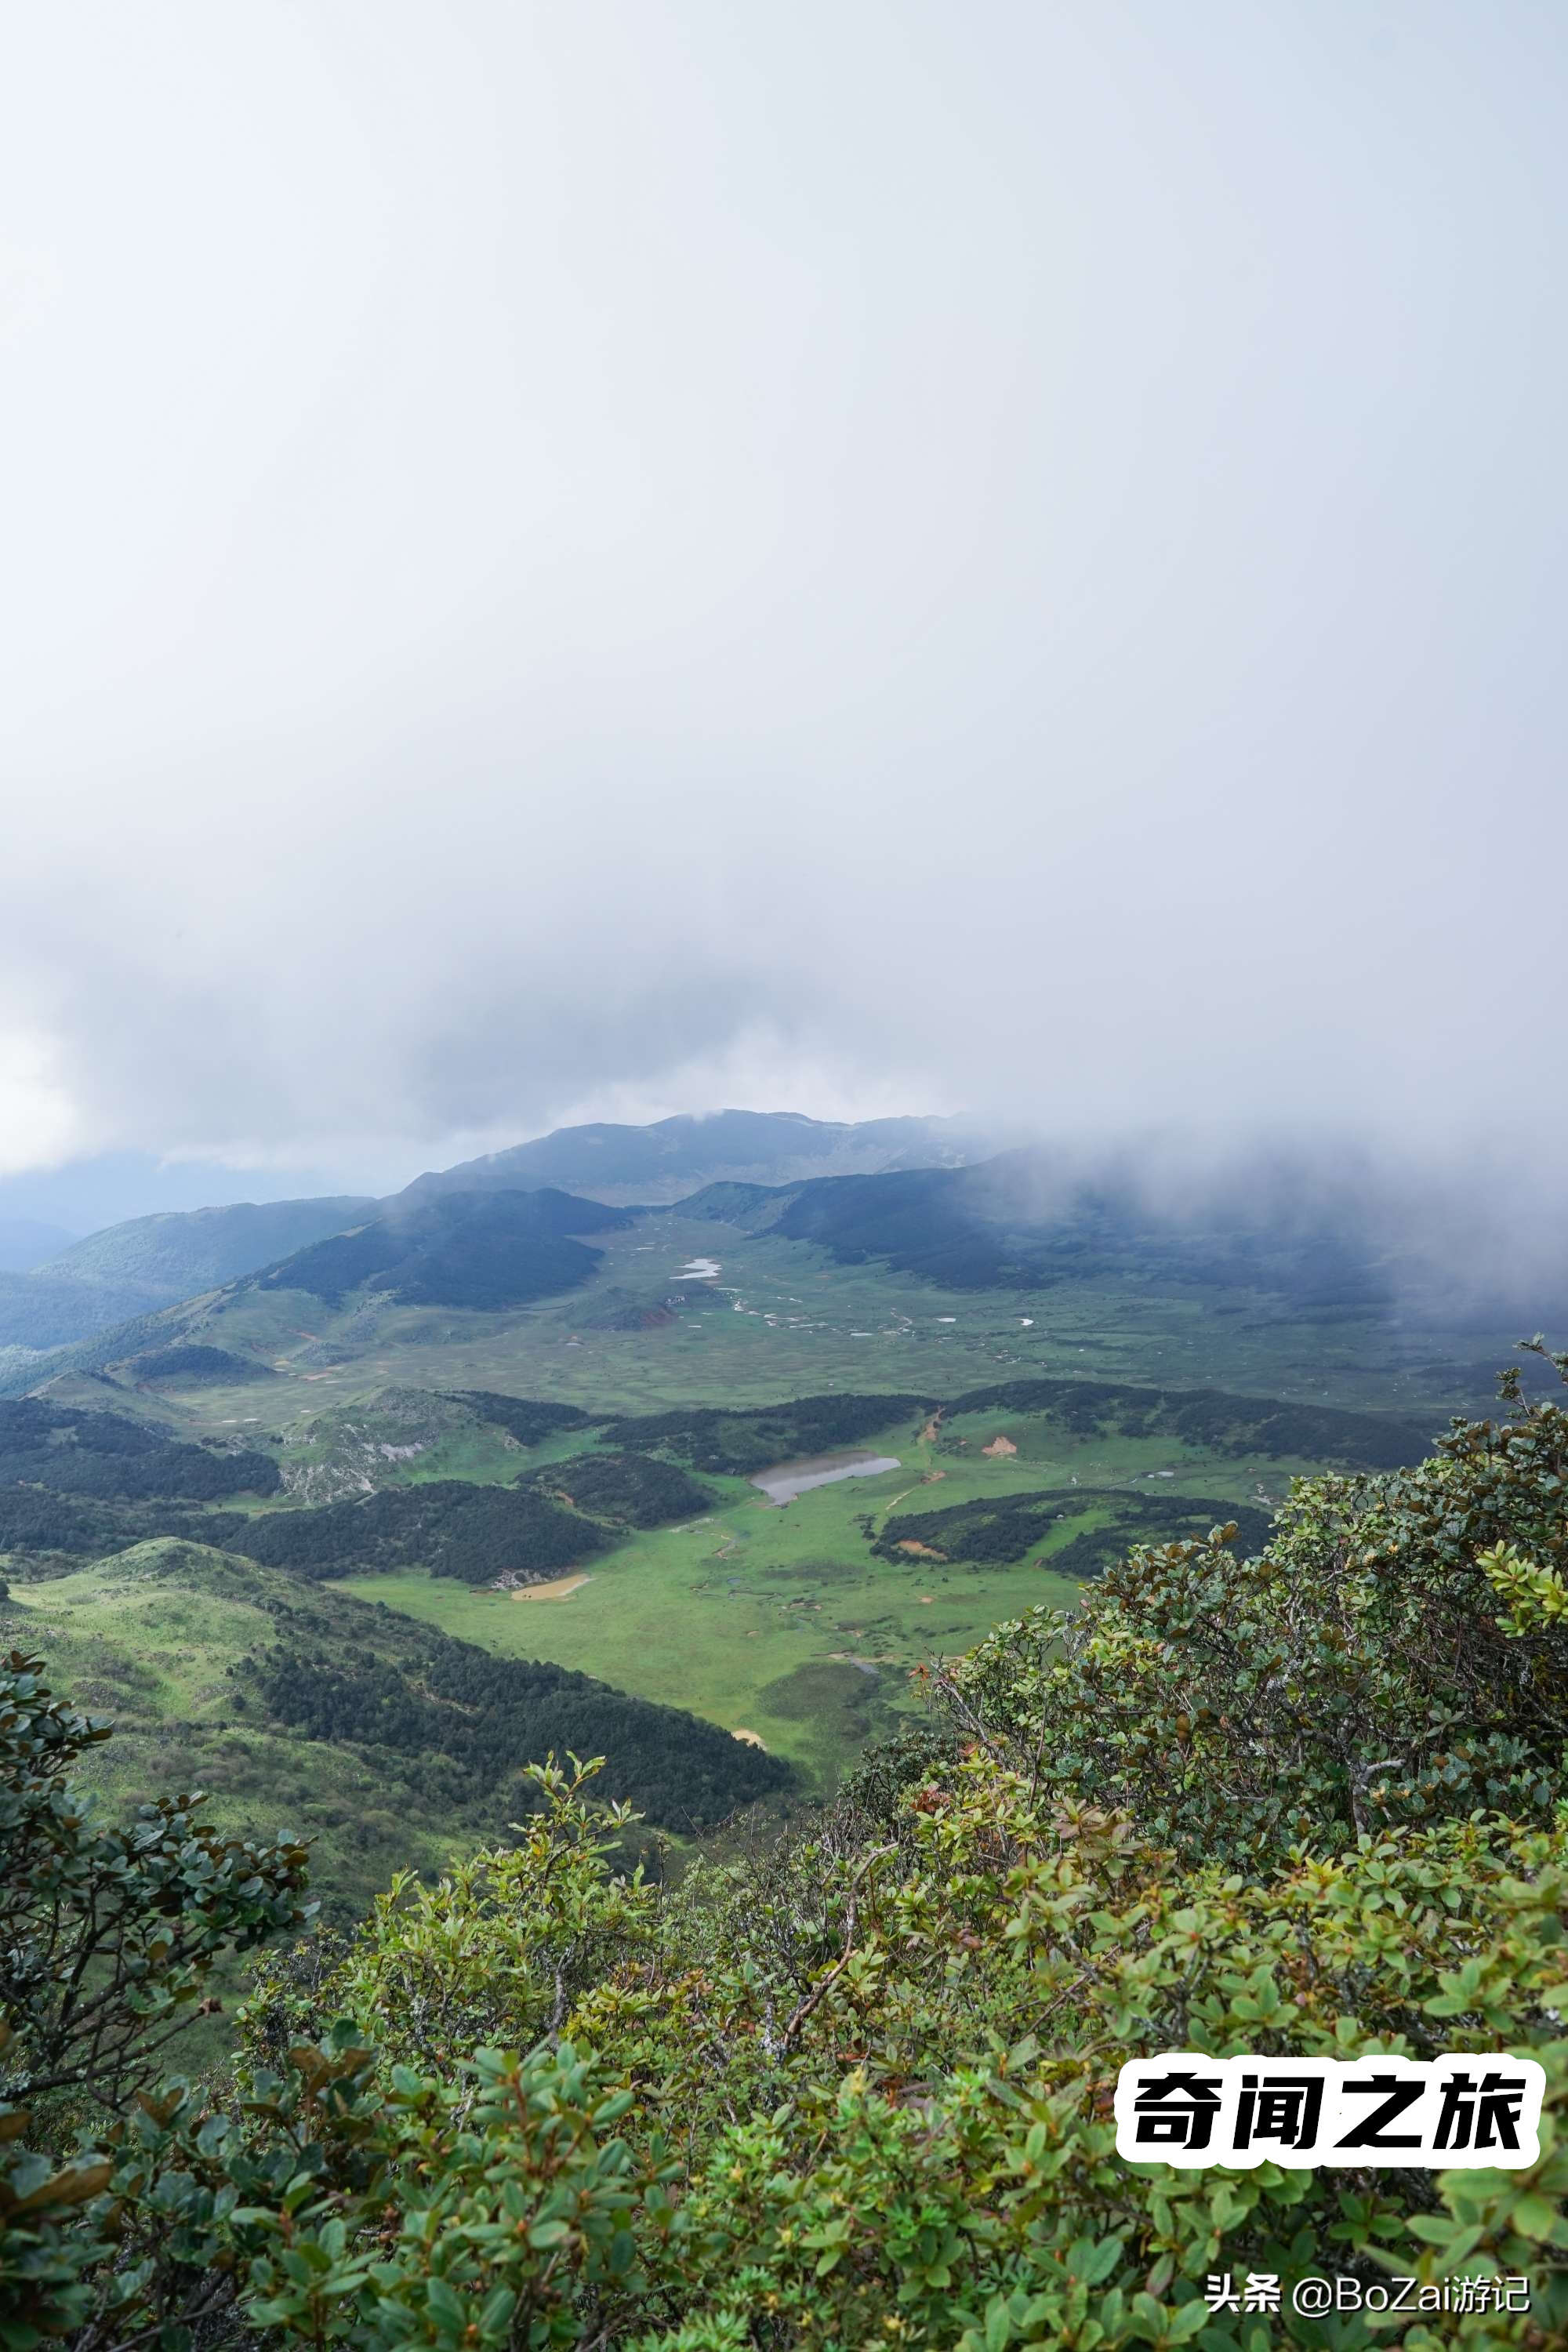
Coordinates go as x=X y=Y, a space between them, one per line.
x=780 y=1623
x=782 y=1318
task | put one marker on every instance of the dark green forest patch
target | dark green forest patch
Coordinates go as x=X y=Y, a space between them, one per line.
x=447 y=1526
x=103 y=1454
x=487 y=1716
x=995 y=1533
x=708 y=1438
x=189 y=1361
x=631 y=1489
x=1234 y=1425
x=485 y=1250
x=35 y=1520
x=739 y=1442
x=530 y=1419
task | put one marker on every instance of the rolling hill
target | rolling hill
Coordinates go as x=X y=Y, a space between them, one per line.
x=659 y=1163
x=484 y=1250
x=25 y=1244
x=382 y=1739
x=152 y=1262
x=1018 y=1221
x=51 y=1296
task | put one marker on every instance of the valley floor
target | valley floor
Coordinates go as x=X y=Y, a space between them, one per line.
x=783 y=1623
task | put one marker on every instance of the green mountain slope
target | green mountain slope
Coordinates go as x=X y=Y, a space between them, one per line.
x=385 y=1741
x=184 y=1252
x=42 y=1310
x=152 y=1262
x=51 y=1295
x=485 y=1250
x=25 y=1243
x=672 y=1156
x=70 y=1451
x=1013 y=1221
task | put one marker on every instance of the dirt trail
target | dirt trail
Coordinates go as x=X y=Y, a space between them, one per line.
x=556 y=1588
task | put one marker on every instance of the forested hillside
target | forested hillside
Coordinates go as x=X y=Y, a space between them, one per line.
x=1009 y=1528
x=1020 y=1222
x=475 y=1533
x=1235 y=1426
x=713 y=1439
x=708 y=1438
x=482 y=1719
x=632 y=1490
x=387 y=1742
x=489 y=1251
x=72 y=1451
x=853 y=2085
x=134 y=1268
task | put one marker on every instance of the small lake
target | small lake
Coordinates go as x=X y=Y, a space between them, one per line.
x=785 y=1480
x=697 y=1269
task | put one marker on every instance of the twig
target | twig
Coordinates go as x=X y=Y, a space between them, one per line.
x=804 y=2007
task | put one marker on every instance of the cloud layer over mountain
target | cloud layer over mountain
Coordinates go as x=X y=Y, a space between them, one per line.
x=621 y=558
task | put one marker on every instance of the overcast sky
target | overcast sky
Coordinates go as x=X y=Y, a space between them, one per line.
x=607 y=558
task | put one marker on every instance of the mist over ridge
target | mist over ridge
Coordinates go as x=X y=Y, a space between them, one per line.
x=1013 y=578
x=1335 y=1235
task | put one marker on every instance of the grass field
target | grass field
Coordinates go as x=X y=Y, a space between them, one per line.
x=779 y=1622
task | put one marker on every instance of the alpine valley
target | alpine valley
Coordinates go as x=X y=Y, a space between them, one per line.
x=538 y=1410
x=769 y=1692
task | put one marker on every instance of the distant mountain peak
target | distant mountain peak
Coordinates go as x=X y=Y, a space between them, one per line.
x=668 y=1158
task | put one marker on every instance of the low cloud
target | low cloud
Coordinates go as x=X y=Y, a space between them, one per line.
x=574 y=564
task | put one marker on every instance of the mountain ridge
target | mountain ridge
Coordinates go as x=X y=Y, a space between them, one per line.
x=648 y=1165
x=142 y=1264
x=148 y=1263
